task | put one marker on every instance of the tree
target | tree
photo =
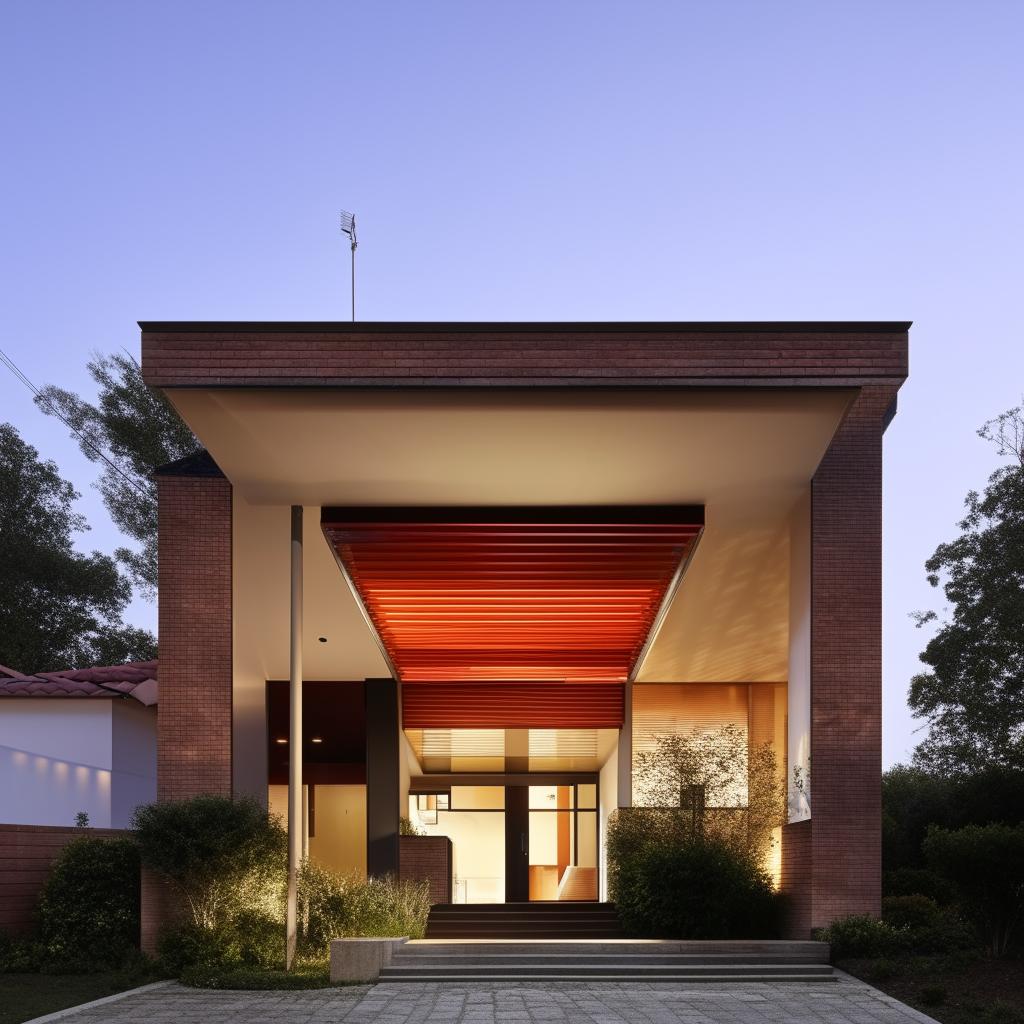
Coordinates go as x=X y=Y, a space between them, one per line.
x=973 y=695
x=59 y=608
x=136 y=429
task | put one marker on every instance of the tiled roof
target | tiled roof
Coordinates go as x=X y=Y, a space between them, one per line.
x=137 y=679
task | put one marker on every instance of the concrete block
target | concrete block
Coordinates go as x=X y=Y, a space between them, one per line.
x=361 y=959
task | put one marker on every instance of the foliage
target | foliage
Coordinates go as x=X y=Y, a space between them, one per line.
x=917 y=882
x=59 y=608
x=137 y=430
x=743 y=790
x=248 y=940
x=973 y=694
x=670 y=882
x=20 y=955
x=89 y=905
x=861 y=935
x=333 y=906
x=251 y=979
x=986 y=864
x=407 y=828
x=914 y=798
x=82 y=819
x=224 y=857
x=927 y=927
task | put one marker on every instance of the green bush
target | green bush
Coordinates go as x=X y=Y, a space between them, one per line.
x=861 y=936
x=20 y=955
x=918 y=882
x=89 y=904
x=227 y=861
x=222 y=856
x=668 y=882
x=986 y=864
x=928 y=927
x=252 y=980
x=332 y=906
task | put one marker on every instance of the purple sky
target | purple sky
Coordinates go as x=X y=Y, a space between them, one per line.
x=532 y=160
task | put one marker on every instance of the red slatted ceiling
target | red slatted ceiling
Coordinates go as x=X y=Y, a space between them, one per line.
x=487 y=598
x=512 y=706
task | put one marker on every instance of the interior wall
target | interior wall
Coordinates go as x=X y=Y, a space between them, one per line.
x=478 y=852
x=338 y=841
x=799 y=688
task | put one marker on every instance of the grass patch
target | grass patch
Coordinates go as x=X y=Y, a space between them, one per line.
x=956 y=988
x=24 y=996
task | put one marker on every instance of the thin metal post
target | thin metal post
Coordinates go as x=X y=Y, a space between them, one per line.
x=295 y=808
x=353 y=282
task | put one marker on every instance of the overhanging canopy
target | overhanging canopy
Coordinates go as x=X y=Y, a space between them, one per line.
x=514 y=594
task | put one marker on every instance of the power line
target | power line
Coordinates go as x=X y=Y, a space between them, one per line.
x=54 y=411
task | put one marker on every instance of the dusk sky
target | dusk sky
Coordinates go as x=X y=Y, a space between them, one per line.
x=532 y=161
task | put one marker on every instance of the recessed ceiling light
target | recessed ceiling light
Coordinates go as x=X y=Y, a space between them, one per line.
x=317 y=739
x=322 y=639
x=281 y=739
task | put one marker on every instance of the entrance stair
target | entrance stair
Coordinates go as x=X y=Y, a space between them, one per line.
x=591 y=960
x=554 y=920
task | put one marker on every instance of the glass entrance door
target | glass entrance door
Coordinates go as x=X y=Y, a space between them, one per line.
x=551 y=843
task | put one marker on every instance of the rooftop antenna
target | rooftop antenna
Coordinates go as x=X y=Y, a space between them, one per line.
x=348 y=227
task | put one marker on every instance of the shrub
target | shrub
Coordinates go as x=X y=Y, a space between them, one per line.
x=670 y=883
x=986 y=864
x=929 y=928
x=251 y=979
x=223 y=857
x=918 y=882
x=333 y=906
x=932 y=995
x=20 y=956
x=89 y=905
x=860 y=936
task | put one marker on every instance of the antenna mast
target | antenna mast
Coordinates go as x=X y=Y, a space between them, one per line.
x=348 y=227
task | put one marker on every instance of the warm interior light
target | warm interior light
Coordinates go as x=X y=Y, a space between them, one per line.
x=281 y=739
x=316 y=739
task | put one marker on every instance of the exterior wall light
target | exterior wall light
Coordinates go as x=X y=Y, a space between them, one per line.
x=316 y=739
x=282 y=740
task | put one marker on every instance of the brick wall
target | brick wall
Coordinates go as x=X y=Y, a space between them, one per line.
x=194 y=724
x=26 y=854
x=846 y=665
x=796 y=878
x=212 y=355
x=427 y=858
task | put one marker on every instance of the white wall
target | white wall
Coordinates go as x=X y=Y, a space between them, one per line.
x=608 y=801
x=799 y=688
x=55 y=760
x=133 y=736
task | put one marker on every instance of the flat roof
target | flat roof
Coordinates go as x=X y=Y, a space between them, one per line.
x=471 y=326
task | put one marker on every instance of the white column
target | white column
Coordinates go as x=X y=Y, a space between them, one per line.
x=295 y=808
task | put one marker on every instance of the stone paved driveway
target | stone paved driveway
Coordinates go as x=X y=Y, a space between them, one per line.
x=845 y=1002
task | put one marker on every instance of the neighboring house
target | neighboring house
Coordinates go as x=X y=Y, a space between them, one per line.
x=77 y=741
x=504 y=558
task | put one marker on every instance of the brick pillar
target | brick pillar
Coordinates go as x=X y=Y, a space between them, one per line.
x=194 y=718
x=195 y=637
x=846 y=665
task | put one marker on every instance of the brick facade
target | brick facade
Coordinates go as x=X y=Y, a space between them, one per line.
x=26 y=854
x=795 y=882
x=429 y=859
x=846 y=665
x=194 y=722
x=574 y=355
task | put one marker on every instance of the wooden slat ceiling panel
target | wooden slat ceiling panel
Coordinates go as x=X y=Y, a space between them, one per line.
x=513 y=595
x=504 y=705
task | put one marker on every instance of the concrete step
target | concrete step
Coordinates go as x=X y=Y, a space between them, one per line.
x=472 y=959
x=768 y=950
x=609 y=973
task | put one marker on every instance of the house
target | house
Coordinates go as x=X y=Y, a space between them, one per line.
x=466 y=574
x=80 y=741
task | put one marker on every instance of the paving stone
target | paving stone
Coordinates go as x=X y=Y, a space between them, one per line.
x=847 y=1001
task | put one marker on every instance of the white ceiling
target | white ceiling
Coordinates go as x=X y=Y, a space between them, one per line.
x=747 y=455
